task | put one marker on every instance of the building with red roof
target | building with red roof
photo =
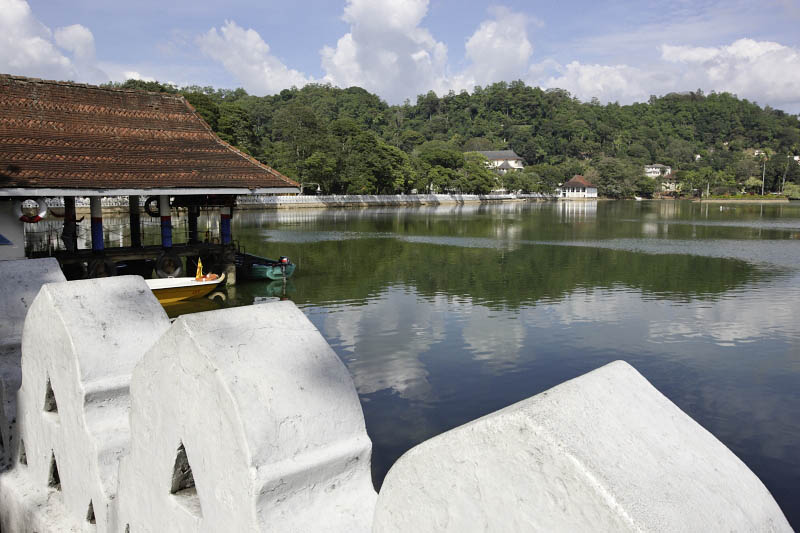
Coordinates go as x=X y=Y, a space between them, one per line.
x=577 y=187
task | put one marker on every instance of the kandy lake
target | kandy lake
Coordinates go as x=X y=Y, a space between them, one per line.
x=444 y=314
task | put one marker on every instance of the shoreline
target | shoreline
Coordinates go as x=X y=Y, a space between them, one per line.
x=743 y=201
x=247 y=203
x=114 y=205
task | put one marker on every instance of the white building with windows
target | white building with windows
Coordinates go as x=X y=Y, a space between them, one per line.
x=503 y=160
x=656 y=170
x=577 y=187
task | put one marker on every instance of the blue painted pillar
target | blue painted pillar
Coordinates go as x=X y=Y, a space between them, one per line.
x=166 y=221
x=225 y=225
x=96 y=212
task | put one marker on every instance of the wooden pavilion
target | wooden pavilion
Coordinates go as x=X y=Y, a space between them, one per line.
x=63 y=139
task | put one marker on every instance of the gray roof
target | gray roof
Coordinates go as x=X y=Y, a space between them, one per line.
x=500 y=154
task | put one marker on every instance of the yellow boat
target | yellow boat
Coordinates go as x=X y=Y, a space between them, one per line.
x=171 y=290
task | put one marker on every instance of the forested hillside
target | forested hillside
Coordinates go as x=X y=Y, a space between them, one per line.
x=349 y=141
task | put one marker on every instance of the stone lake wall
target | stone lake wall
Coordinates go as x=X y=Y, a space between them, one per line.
x=244 y=419
x=267 y=201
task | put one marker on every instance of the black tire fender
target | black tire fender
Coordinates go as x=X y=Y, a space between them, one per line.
x=151 y=206
x=101 y=267
x=168 y=265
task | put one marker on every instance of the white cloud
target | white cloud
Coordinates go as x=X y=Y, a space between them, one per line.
x=386 y=50
x=78 y=40
x=764 y=71
x=759 y=70
x=26 y=45
x=244 y=54
x=29 y=48
x=686 y=53
x=608 y=83
x=134 y=75
x=499 y=49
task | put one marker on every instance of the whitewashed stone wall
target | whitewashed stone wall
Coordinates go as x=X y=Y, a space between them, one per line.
x=603 y=452
x=22 y=280
x=80 y=344
x=257 y=423
x=244 y=419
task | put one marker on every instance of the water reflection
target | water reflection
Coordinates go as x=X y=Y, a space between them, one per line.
x=443 y=314
x=577 y=210
x=448 y=313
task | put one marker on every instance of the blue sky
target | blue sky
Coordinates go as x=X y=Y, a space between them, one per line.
x=615 y=51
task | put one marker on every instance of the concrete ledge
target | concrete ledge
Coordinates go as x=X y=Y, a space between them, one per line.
x=603 y=452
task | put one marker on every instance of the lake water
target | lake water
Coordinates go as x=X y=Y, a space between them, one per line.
x=445 y=314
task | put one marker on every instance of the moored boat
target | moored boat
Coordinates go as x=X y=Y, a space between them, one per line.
x=253 y=267
x=171 y=290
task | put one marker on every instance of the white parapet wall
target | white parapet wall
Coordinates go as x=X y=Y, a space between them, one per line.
x=22 y=280
x=244 y=419
x=603 y=452
x=80 y=344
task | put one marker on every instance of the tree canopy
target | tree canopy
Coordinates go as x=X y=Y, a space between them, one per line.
x=350 y=141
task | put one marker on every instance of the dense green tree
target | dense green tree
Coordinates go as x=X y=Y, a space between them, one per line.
x=206 y=107
x=350 y=140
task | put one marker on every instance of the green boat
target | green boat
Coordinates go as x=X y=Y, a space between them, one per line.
x=253 y=267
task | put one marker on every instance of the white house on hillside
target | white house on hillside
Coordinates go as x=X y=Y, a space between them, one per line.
x=657 y=170
x=503 y=160
x=577 y=187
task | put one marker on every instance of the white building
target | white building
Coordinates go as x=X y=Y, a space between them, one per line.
x=577 y=187
x=503 y=160
x=670 y=184
x=656 y=170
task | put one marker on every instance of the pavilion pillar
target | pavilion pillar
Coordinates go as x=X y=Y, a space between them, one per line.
x=166 y=221
x=228 y=254
x=70 y=233
x=135 y=221
x=194 y=213
x=96 y=211
x=225 y=214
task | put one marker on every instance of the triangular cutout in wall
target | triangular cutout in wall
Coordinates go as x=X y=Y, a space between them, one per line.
x=54 y=479
x=50 y=404
x=90 y=514
x=182 y=477
x=183 y=482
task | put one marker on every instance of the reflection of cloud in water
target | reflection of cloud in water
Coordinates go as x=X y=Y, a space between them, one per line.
x=745 y=319
x=384 y=339
x=595 y=305
x=782 y=253
x=737 y=318
x=493 y=336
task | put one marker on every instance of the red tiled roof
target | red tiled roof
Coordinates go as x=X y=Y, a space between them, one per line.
x=578 y=181
x=68 y=135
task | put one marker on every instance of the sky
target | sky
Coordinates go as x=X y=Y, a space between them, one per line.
x=621 y=51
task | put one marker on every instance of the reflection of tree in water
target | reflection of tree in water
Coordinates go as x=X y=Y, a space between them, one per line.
x=358 y=268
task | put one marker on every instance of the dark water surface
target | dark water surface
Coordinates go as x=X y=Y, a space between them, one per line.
x=445 y=314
